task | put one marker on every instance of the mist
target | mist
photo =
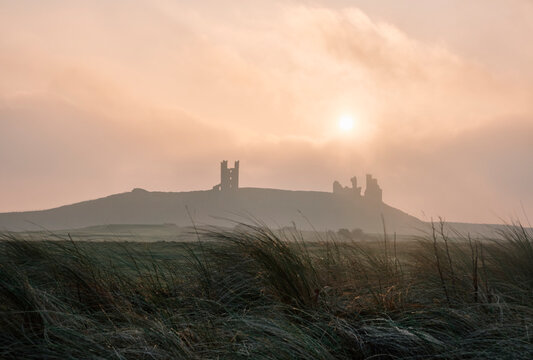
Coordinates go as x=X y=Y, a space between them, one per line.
x=103 y=97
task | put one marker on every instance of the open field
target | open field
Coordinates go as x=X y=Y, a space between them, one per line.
x=253 y=293
x=172 y=233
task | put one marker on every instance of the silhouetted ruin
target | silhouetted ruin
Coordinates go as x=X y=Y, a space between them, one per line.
x=346 y=190
x=229 y=181
x=373 y=192
x=229 y=178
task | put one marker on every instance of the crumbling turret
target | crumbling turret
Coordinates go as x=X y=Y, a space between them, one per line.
x=373 y=192
x=353 y=191
x=229 y=177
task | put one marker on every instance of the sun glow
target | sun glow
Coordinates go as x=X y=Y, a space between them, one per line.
x=346 y=123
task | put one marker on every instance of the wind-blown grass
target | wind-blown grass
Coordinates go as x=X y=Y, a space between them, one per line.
x=256 y=293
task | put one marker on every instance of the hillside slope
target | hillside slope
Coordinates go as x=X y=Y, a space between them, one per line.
x=277 y=208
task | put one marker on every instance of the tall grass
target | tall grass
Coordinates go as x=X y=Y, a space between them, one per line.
x=257 y=293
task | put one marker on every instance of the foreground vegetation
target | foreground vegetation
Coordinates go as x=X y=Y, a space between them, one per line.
x=254 y=293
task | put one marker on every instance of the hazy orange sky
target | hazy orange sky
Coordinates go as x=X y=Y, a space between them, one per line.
x=98 y=97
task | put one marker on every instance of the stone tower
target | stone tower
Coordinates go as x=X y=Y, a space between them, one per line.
x=229 y=177
x=373 y=192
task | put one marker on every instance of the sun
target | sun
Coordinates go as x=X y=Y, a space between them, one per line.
x=346 y=123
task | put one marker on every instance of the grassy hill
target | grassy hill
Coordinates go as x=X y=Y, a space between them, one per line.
x=275 y=208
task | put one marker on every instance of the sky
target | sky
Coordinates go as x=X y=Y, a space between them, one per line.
x=102 y=97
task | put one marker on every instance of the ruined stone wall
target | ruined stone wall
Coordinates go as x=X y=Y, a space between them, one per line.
x=373 y=192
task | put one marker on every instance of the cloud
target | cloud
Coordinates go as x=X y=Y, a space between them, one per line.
x=478 y=175
x=412 y=88
x=54 y=152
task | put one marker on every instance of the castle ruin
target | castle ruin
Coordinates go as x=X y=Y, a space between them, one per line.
x=229 y=177
x=373 y=192
x=346 y=190
x=229 y=182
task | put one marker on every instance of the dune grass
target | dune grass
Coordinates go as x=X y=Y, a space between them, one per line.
x=256 y=293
